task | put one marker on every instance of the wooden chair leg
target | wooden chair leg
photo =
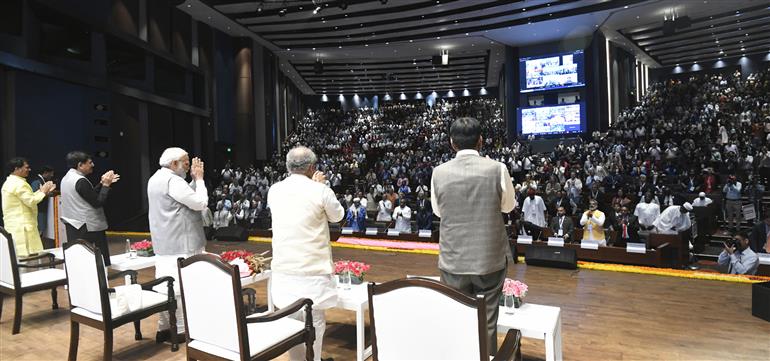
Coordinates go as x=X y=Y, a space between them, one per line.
x=74 y=339
x=17 y=315
x=54 y=299
x=137 y=330
x=107 y=345
x=173 y=329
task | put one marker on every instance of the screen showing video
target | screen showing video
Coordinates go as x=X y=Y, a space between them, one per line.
x=552 y=72
x=561 y=119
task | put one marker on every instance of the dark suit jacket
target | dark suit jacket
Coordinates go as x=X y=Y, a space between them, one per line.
x=633 y=228
x=758 y=237
x=567 y=226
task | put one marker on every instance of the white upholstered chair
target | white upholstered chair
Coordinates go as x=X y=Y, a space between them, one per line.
x=216 y=326
x=16 y=284
x=423 y=319
x=95 y=304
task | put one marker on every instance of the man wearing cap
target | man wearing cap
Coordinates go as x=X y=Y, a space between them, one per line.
x=176 y=226
x=356 y=216
x=674 y=219
x=702 y=200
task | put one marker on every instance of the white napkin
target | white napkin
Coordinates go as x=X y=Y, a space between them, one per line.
x=127 y=299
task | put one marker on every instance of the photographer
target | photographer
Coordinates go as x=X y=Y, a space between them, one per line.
x=738 y=257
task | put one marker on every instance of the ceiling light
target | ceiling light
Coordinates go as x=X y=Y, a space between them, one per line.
x=282 y=12
x=317 y=9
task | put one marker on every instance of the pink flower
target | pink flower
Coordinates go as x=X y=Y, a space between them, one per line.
x=514 y=288
x=143 y=245
x=358 y=269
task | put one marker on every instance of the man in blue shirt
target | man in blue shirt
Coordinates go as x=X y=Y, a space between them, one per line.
x=356 y=216
x=738 y=257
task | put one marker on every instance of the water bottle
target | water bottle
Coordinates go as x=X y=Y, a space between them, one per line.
x=130 y=252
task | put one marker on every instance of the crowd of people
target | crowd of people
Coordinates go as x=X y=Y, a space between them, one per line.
x=684 y=145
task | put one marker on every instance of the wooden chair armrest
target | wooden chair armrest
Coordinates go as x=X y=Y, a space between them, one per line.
x=51 y=264
x=291 y=309
x=510 y=349
x=38 y=256
x=149 y=285
x=133 y=274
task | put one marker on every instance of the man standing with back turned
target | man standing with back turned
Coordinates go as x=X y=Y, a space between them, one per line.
x=469 y=193
x=302 y=207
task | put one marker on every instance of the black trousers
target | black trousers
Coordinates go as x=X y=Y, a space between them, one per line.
x=489 y=285
x=98 y=239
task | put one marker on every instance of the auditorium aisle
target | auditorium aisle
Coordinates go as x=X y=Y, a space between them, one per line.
x=605 y=316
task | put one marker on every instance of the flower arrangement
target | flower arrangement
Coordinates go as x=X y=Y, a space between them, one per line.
x=247 y=262
x=357 y=269
x=514 y=288
x=143 y=248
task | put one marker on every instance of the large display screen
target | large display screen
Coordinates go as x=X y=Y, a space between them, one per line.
x=559 y=119
x=552 y=72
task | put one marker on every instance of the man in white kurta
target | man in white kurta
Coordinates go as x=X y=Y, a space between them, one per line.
x=533 y=209
x=302 y=207
x=674 y=219
x=647 y=212
x=403 y=216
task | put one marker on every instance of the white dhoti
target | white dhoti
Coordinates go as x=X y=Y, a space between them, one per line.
x=166 y=266
x=287 y=289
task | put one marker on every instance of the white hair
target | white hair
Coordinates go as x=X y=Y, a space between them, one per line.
x=299 y=160
x=171 y=154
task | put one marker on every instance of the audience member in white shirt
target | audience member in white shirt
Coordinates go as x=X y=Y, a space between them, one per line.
x=702 y=200
x=533 y=209
x=403 y=216
x=302 y=207
x=647 y=212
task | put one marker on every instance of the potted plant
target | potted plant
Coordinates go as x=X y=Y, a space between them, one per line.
x=513 y=292
x=143 y=248
x=356 y=270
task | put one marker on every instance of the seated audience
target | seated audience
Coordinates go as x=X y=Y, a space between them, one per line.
x=759 y=241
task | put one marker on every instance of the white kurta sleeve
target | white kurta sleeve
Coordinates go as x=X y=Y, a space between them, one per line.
x=192 y=195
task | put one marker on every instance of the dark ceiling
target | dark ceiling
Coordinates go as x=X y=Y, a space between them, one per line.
x=730 y=32
x=387 y=45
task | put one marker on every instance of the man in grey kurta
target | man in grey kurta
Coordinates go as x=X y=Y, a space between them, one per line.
x=469 y=193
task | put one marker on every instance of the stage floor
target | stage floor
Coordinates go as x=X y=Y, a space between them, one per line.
x=605 y=316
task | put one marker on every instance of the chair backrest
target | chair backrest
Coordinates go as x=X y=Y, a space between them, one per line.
x=86 y=281
x=211 y=296
x=423 y=319
x=9 y=273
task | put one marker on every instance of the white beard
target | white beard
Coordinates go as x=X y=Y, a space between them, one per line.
x=180 y=171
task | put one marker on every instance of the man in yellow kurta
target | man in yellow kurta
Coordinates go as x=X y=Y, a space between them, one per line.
x=20 y=207
x=593 y=223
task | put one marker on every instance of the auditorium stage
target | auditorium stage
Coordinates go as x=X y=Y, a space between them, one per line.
x=605 y=315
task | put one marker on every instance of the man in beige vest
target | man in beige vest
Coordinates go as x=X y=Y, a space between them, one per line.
x=469 y=193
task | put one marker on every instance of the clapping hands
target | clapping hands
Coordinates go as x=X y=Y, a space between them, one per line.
x=197 y=169
x=48 y=187
x=109 y=178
